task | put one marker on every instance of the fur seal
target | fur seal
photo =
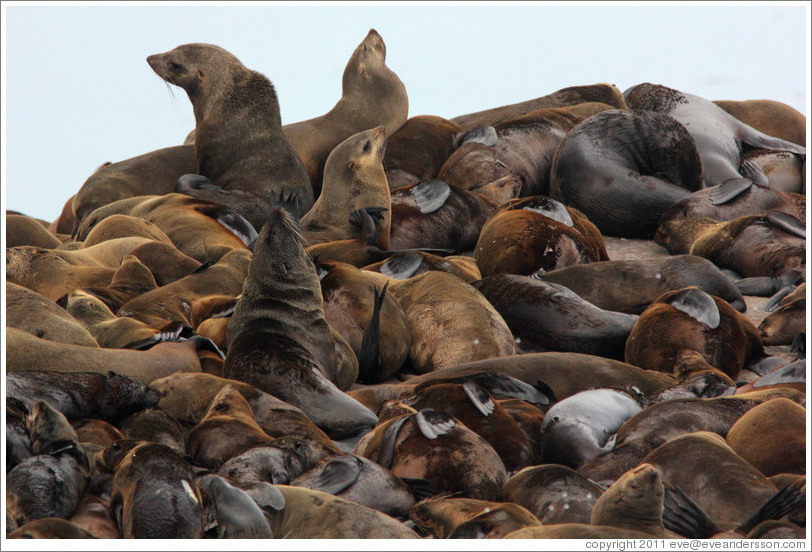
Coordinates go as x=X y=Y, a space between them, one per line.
x=494 y=521
x=124 y=226
x=316 y=514
x=719 y=136
x=623 y=169
x=31 y=312
x=772 y=437
x=353 y=179
x=430 y=445
x=601 y=92
x=544 y=316
x=450 y=322
x=24 y=230
x=202 y=230
x=155 y=426
x=689 y=318
x=536 y=235
x=155 y=495
x=584 y=425
x=523 y=147
x=405 y=265
x=50 y=528
x=553 y=493
x=238 y=515
x=281 y=303
x=51 y=482
x=634 y=502
x=166 y=262
x=106 y=396
x=130 y=280
x=151 y=173
x=239 y=142
x=173 y=302
x=784 y=324
x=371 y=95
x=770 y=117
x=417 y=150
x=433 y=213
x=631 y=286
x=247 y=204
x=785 y=172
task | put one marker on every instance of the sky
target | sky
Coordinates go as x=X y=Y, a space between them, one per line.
x=77 y=91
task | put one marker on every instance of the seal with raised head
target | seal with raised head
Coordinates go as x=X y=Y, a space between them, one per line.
x=601 y=92
x=281 y=304
x=353 y=179
x=239 y=142
x=371 y=95
x=623 y=169
x=719 y=136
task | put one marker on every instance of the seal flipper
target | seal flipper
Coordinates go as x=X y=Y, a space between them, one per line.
x=369 y=364
x=550 y=208
x=506 y=386
x=729 y=189
x=420 y=488
x=766 y=364
x=206 y=344
x=775 y=300
x=191 y=181
x=684 y=516
x=337 y=474
x=483 y=134
x=698 y=305
x=760 y=286
x=750 y=170
x=432 y=424
x=238 y=516
x=402 y=266
x=387 y=448
x=430 y=195
x=363 y=220
x=201 y=268
x=266 y=496
x=757 y=139
x=174 y=331
x=482 y=401
x=794 y=372
x=777 y=506
x=289 y=204
x=787 y=223
x=799 y=345
x=232 y=221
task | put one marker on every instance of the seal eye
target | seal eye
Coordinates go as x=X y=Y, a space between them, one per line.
x=366 y=147
x=176 y=67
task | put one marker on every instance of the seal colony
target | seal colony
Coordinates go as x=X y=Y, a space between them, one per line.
x=332 y=338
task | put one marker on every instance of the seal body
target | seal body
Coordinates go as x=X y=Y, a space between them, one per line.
x=418 y=149
x=770 y=117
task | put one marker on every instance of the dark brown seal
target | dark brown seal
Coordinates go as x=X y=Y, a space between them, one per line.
x=466 y=518
x=239 y=142
x=353 y=179
x=536 y=235
x=405 y=265
x=281 y=304
x=784 y=324
x=770 y=117
x=50 y=528
x=631 y=286
x=523 y=147
x=418 y=149
x=623 y=169
x=605 y=93
x=371 y=95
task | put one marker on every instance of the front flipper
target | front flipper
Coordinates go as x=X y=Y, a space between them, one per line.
x=729 y=189
x=550 y=208
x=432 y=424
x=684 y=516
x=787 y=223
x=337 y=474
x=402 y=266
x=234 y=222
x=479 y=397
x=363 y=220
x=189 y=182
x=430 y=195
x=482 y=134
x=777 y=506
x=369 y=364
x=750 y=170
x=289 y=203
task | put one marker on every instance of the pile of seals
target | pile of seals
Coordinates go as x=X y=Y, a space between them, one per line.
x=366 y=325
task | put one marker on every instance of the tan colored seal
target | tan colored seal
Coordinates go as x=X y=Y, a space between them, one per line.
x=24 y=230
x=124 y=226
x=770 y=117
x=33 y=313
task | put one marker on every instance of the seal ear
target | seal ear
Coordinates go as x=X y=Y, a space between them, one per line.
x=351 y=165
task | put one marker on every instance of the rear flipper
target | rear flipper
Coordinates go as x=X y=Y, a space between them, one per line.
x=777 y=506
x=369 y=364
x=684 y=516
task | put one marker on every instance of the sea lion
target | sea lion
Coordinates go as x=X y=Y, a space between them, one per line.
x=204 y=231
x=536 y=235
x=719 y=137
x=227 y=429
x=634 y=502
x=691 y=319
x=249 y=205
x=25 y=352
x=450 y=322
x=405 y=265
x=523 y=147
x=761 y=245
x=172 y=302
x=623 y=169
x=785 y=172
x=155 y=426
x=495 y=522
x=31 y=312
x=605 y=93
x=783 y=325
x=371 y=95
x=151 y=173
x=544 y=317
x=315 y=514
x=630 y=286
x=50 y=528
x=238 y=516
x=97 y=432
x=356 y=479
x=239 y=142
x=433 y=213
x=24 y=230
x=51 y=482
x=772 y=437
x=353 y=179
x=93 y=515
x=63 y=224
x=584 y=425
x=130 y=280
x=166 y=262
x=770 y=117
x=155 y=495
x=124 y=226
x=553 y=493
x=187 y=397
x=430 y=445
x=418 y=149
x=281 y=303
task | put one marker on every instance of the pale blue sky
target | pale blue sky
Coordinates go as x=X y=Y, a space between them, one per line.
x=78 y=91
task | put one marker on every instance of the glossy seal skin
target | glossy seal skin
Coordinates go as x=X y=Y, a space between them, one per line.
x=623 y=169
x=278 y=339
x=239 y=143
